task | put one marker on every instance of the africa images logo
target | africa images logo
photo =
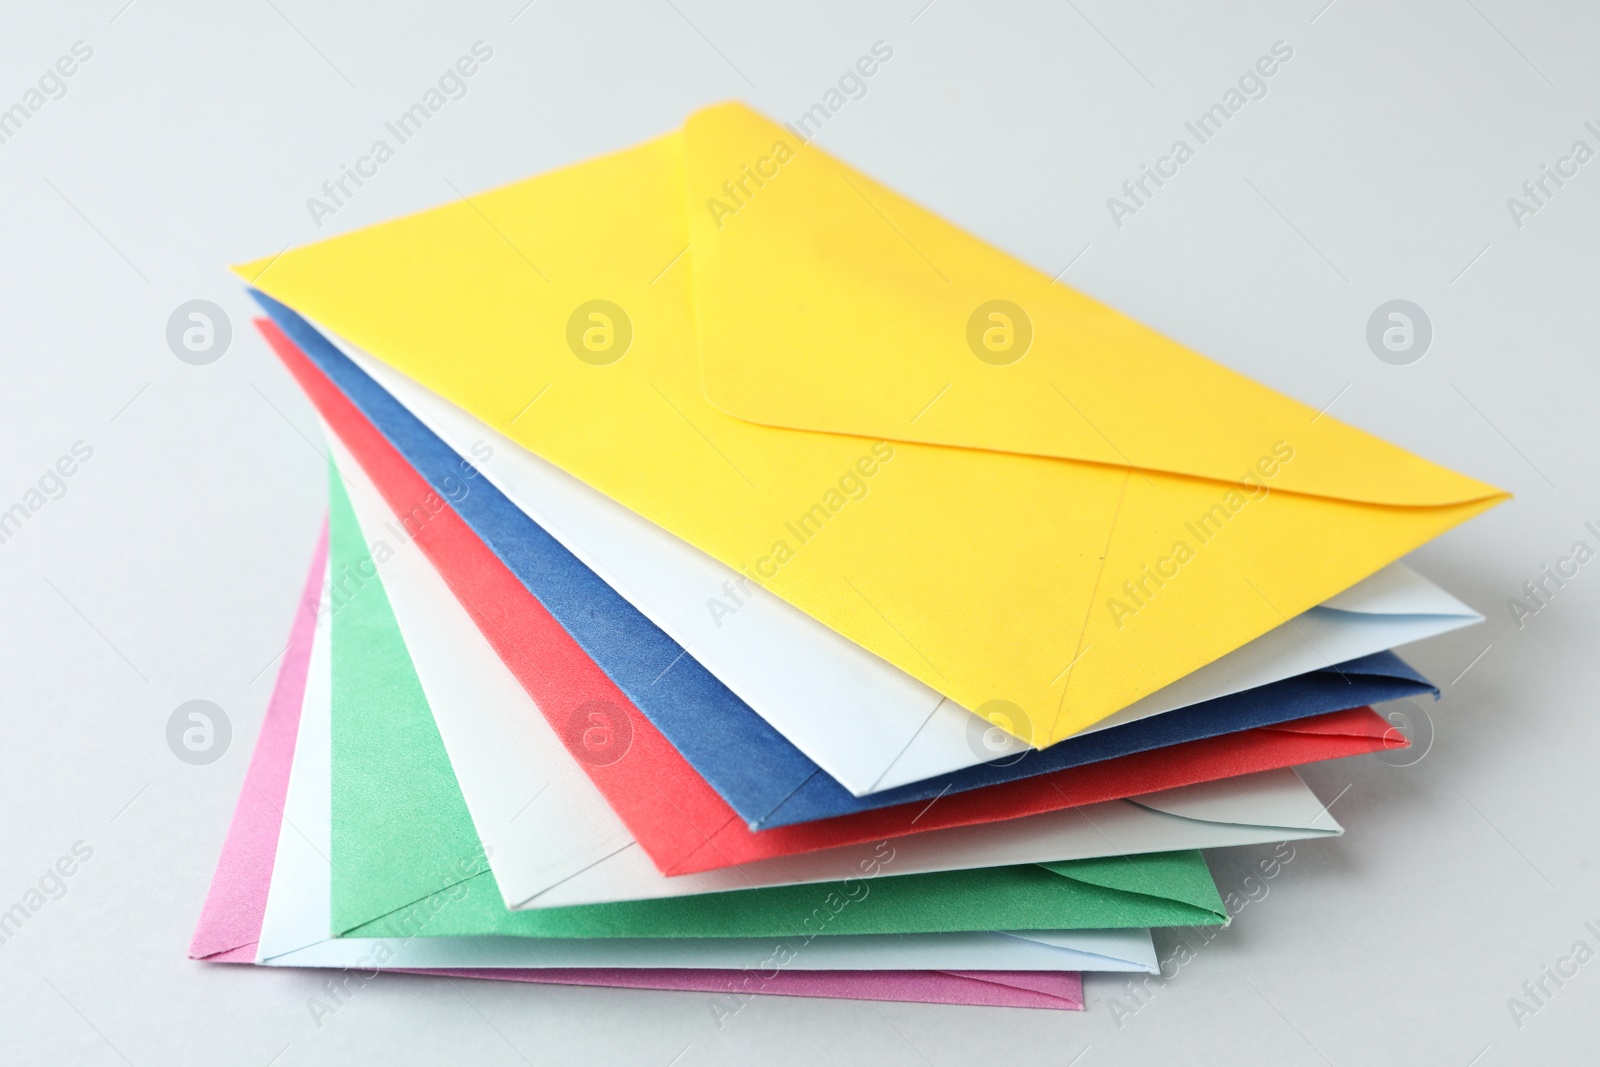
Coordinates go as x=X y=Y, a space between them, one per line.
x=1137 y=592
x=999 y=332
x=850 y=487
x=599 y=332
x=598 y=732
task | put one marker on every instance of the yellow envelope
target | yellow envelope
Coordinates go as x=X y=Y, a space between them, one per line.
x=1039 y=507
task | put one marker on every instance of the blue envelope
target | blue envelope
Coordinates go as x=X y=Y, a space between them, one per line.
x=754 y=768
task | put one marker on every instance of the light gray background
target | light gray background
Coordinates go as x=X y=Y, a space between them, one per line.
x=1377 y=167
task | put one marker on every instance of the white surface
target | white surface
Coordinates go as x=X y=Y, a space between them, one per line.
x=861 y=719
x=299 y=911
x=1390 y=142
x=553 y=840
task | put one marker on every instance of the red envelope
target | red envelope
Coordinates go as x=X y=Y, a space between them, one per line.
x=679 y=820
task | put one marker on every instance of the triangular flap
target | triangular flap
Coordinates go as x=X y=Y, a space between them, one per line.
x=1178 y=876
x=1360 y=722
x=1265 y=798
x=828 y=302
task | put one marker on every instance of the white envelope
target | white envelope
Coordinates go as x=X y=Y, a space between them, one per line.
x=295 y=928
x=1086 y=950
x=867 y=723
x=553 y=840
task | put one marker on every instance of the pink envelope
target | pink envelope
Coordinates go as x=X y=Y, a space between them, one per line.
x=230 y=920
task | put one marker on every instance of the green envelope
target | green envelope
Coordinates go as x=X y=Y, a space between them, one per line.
x=407 y=860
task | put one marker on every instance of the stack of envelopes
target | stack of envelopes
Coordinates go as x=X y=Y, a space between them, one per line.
x=738 y=578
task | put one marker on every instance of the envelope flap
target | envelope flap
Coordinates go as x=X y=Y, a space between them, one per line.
x=1182 y=877
x=1360 y=722
x=1063 y=984
x=828 y=302
x=1266 y=798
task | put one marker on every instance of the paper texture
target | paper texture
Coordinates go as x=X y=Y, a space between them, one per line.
x=299 y=915
x=676 y=817
x=867 y=724
x=809 y=402
x=553 y=841
x=401 y=834
x=230 y=922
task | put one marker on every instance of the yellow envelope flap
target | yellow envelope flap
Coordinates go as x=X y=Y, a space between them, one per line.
x=876 y=317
